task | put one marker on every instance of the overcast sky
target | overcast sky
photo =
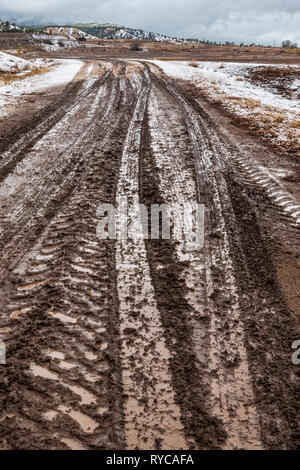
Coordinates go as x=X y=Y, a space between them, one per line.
x=261 y=21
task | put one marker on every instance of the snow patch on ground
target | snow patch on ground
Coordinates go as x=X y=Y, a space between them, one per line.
x=55 y=42
x=225 y=83
x=71 y=32
x=10 y=63
x=60 y=73
x=229 y=78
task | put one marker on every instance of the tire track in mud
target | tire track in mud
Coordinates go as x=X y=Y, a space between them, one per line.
x=21 y=139
x=61 y=327
x=246 y=198
x=9 y=139
x=203 y=430
x=26 y=209
x=230 y=389
x=267 y=346
x=140 y=343
x=152 y=418
x=217 y=328
x=270 y=327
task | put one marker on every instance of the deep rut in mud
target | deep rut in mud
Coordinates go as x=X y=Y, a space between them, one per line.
x=133 y=343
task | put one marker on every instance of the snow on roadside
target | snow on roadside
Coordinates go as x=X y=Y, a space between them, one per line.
x=55 y=42
x=17 y=65
x=10 y=63
x=69 y=32
x=273 y=116
x=63 y=72
x=60 y=73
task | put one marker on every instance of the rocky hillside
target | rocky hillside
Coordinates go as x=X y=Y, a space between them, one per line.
x=69 y=32
x=82 y=31
x=113 y=31
x=7 y=27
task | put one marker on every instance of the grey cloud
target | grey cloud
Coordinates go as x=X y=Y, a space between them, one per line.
x=261 y=21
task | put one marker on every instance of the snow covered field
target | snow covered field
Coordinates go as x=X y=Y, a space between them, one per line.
x=59 y=72
x=11 y=63
x=227 y=84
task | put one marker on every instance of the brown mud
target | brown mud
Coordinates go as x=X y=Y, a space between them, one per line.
x=131 y=343
x=277 y=78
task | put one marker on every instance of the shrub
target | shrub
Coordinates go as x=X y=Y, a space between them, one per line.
x=135 y=46
x=288 y=45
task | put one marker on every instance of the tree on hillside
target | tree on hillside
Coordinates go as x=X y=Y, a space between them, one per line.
x=135 y=46
x=288 y=44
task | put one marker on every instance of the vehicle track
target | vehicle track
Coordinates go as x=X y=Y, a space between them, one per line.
x=134 y=343
x=53 y=280
x=262 y=289
x=19 y=190
x=222 y=347
x=16 y=141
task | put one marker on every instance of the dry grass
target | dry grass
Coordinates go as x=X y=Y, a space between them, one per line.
x=265 y=122
x=295 y=125
x=246 y=103
x=8 y=77
x=251 y=103
x=200 y=51
x=233 y=98
x=278 y=119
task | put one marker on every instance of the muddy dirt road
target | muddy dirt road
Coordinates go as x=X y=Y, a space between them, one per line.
x=124 y=344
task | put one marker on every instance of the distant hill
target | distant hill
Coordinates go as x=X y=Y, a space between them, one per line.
x=7 y=27
x=114 y=31
x=90 y=30
x=70 y=32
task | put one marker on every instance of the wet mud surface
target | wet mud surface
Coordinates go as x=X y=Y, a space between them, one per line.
x=132 y=343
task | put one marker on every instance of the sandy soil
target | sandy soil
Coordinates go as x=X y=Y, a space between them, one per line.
x=142 y=343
